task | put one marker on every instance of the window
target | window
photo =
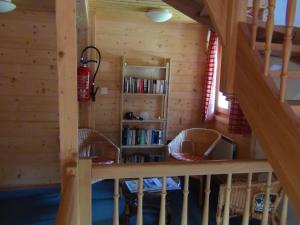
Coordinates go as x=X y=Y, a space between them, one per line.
x=222 y=102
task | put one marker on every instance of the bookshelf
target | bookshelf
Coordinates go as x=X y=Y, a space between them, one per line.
x=145 y=88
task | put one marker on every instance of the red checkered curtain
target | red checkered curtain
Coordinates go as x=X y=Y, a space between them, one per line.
x=237 y=120
x=209 y=79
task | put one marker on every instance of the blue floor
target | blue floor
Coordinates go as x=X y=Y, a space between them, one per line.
x=39 y=206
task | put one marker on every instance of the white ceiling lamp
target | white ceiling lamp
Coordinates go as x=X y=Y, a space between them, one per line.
x=6 y=6
x=159 y=15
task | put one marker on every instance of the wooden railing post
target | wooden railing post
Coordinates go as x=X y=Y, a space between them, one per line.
x=206 y=201
x=184 y=214
x=116 y=203
x=269 y=36
x=248 y=201
x=85 y=191
x=140 y=202
x=162 y=216
x=267 y=200
x=227 y=200
x=287 y=46
x=284 y=210
x=256 y=7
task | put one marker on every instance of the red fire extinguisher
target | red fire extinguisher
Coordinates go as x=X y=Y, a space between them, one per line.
x=85 y=79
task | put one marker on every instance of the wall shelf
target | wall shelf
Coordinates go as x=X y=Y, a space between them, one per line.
x=145 y=121
x=142 y=94
x=144 y=82
x=142 y=146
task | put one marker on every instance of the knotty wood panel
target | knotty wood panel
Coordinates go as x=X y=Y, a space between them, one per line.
x=28 y=95
x=131 y=34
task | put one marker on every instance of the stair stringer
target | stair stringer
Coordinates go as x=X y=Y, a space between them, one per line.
x=273 y=123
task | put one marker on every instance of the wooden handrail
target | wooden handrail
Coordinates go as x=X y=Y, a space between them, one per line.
x=207 y=167
x=66 y=210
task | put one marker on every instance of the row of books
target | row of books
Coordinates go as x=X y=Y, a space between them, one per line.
x=141 y=136
x=137 y=85
x=141 y=158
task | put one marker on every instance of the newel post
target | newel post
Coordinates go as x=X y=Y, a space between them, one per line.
x=67 y=80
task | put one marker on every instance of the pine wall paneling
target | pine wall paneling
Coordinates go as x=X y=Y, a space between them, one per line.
x=28 y=95
x=126 y=32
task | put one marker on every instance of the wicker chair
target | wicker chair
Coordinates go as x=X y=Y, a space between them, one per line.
x=238 y=200
x=96 y=146
x=194 y=144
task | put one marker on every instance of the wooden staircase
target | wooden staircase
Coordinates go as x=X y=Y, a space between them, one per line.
x=274 y=120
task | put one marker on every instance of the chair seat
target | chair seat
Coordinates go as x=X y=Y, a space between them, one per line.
x=189 y=157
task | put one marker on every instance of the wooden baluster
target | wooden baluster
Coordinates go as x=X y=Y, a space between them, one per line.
x=162 y=216
x=184 y=216
x=287 y=46
x=220 y=208
x=227 y=200
x=269 y=36
x=284 y=210
x=206 y=201
x=116 y=203
x=256 y=6
x=267 y=200
x=140 y=203
x=248 y=201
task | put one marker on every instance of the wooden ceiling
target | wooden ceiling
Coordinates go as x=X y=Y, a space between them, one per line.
x=139 y=6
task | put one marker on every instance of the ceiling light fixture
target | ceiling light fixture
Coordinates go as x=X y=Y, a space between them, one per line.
x=159 y=15
x=6 y=6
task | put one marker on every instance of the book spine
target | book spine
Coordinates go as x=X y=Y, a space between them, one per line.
x=145 y=86
x=154 y=87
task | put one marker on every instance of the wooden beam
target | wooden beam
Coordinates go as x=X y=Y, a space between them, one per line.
x=236 y=12
x=217 y=11
x=67 y=79
x=273 y=123
x=190 y=8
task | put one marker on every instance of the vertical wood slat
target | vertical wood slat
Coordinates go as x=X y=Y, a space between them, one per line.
x=248 y=201
x=206 y=201
x=140 y=203
x=269 y=36
x=184 y=216
x=267 y=200
x=284 y=210
x=227 y=200
x=116 y=203
x=256 y=6
x=162 y=216
x=287 y=46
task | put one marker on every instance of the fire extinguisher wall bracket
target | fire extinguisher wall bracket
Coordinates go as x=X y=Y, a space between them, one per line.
x=93 y=89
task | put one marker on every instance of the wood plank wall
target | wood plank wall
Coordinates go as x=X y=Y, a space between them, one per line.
x=28 y=95
x=127 y=32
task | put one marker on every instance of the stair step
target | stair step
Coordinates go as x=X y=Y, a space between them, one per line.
x=293 y=102
x=295 y=106
x=295 y=74
x=277 y=47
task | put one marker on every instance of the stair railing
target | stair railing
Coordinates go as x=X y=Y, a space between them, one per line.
x=207 y=169
x=287 y=44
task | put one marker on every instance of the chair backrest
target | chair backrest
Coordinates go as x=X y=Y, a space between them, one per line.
x=199 y=140
x=238 y=199
x=226 y=149
x=89 y=139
